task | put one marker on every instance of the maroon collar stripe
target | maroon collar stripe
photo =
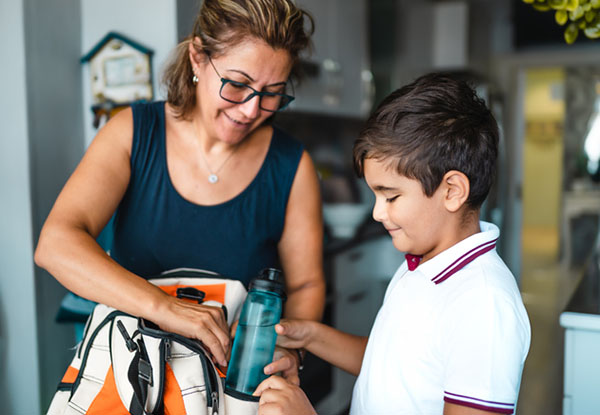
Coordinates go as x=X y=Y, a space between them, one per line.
x=464 y=260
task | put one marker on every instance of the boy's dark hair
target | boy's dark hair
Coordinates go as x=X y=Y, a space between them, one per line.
x=429 y=127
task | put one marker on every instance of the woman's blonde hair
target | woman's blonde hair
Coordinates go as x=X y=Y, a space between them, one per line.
x=223 y=23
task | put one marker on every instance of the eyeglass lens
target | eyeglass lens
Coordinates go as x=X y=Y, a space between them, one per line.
x=238 y=93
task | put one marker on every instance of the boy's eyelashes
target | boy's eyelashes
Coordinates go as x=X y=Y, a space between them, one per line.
x=391 y=199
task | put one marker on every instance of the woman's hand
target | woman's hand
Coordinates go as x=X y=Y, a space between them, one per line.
x=280 y=397
x=201 y=322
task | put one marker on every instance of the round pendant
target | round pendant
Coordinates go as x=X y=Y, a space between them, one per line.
x=213 y=178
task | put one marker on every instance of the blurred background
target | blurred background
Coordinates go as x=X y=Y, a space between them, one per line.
x=546 y=200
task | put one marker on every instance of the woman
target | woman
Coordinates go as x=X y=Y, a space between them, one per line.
x=201 y=180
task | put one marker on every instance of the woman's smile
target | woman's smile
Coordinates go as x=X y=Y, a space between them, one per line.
x=237 y=123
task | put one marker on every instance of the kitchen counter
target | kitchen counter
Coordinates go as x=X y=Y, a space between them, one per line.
x=581 y=320
x=586 y=298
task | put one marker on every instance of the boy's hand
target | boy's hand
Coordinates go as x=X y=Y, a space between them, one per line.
x=279 y=397
x=294 y=334
x=286 y=362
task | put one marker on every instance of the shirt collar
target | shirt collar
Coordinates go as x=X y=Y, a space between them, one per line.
x=441 y=267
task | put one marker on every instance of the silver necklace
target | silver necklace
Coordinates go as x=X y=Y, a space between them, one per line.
x=213 y=177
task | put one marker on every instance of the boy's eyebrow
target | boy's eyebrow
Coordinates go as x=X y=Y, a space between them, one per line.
x=381 y=188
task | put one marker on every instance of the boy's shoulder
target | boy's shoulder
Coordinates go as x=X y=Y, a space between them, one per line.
x=485 y=279
x=472 y=266
x=460 y=258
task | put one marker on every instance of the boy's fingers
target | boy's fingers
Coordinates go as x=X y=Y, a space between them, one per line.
x=269 y=409
x=279 y=329
x=293 y=379
x=280 y=365
x=272 y=382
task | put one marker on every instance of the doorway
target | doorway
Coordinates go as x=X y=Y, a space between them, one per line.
x=559 y=209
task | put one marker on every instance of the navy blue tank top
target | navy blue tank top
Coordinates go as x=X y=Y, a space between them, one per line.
x=156 y=229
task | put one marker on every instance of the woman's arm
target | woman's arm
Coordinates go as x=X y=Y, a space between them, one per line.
x=301 y=255
x=301 y=246
x=67 y=245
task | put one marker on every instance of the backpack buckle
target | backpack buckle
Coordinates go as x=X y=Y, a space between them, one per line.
x=191 y=293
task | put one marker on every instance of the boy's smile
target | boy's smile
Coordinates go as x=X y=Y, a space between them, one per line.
x=417 y=224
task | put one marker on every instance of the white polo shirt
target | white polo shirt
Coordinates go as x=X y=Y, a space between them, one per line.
x=454 y=329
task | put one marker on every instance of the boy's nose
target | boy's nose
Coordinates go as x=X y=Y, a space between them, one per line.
x=379 y=211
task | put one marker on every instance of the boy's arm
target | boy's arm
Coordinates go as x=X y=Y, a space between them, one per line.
x=341 y=349
x=453 y=409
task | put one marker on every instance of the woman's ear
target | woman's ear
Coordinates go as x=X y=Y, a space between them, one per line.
x=193 y=47
x=457 y=189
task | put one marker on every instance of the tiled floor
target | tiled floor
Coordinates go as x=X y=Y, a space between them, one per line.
x=546 y=286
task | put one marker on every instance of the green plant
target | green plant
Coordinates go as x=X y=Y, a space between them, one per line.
x=579 y=14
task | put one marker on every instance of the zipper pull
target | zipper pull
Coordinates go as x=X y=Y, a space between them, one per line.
x=215 y=403
x=167 y=349
x=131 y=346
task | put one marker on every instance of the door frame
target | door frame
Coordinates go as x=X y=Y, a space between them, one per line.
x=508 y=72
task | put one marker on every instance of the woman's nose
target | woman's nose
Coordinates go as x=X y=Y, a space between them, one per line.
x=251 y=108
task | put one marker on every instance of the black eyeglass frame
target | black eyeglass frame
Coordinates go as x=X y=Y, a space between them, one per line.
x=259 y=94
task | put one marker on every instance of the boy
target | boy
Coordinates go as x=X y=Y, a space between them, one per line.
x=452 y=334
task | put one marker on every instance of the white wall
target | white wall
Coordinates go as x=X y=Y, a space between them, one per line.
x=19 y=377
x=42 y=139
x=152 y=23
x=55 y=132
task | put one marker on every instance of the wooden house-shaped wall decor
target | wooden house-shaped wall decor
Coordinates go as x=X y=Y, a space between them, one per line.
x=120 y=73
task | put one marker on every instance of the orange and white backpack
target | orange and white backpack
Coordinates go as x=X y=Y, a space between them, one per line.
x=127 y=365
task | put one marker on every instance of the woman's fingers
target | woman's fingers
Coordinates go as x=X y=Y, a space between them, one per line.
x=216 y=346
x=204 y=323
x=211 y=332
x=233 y=329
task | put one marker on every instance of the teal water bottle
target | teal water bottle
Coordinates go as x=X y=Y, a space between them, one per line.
x=255 y=336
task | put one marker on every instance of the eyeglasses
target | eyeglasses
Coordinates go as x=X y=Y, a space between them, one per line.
x=238 y=93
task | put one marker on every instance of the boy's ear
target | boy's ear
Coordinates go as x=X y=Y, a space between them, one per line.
x=457 y=188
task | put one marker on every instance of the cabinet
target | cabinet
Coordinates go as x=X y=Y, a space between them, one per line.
x=582 y=366
x=361 y=275
x=338 y=80
x=581 y=320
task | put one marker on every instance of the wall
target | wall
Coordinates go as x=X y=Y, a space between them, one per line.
x=42 y=113
x=18 y=346
x=152 y=23
x=187 y=10
x=489 y=33
x=54 y=111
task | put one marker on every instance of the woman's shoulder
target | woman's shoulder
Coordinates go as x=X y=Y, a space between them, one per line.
x=284 y=136
x=145 y=109
x=119 y=127
x=286 y=144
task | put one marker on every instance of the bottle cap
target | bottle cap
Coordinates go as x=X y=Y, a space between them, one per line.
x=269 y=279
